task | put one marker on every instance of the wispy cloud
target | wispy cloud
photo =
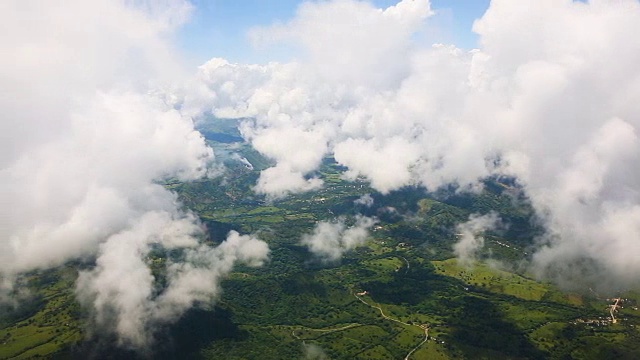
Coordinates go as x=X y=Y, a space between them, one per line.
x=470 y=236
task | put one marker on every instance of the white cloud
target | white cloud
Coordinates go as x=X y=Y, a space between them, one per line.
x=378 y=162
x=352 y=41
x=470 y=239
x=570 y=112
x=281 y=180
x=83 y=146
x=365 y=200
x=549 y=98
x=120 y=289
x=330 y=240
x=87 y=134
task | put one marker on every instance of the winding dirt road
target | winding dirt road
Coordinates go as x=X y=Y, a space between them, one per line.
x=422 y=327
x=425 y=329
x=613 y=308
x=426 y=337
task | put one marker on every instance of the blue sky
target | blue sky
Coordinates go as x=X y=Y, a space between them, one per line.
x=218 y=28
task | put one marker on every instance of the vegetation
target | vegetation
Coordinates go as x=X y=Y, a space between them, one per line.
x=407 y=269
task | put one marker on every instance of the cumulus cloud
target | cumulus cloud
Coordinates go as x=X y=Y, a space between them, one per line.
x=121 y=289
x=352 y=41
x=78 y=139
x=570 y=106
x=549 y=97
x=364 y=200
x=87 y=137
x=297 y=153
x=88 y=129
x=330 y=240
x=301 y=114
x=278 y=181
x=470 y=239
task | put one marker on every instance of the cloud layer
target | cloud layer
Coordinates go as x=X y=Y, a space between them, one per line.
x=549 y=97
x=92 y=120
x=121 y=289
x=86 y=138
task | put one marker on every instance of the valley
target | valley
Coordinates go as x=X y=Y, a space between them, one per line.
x=401 y=295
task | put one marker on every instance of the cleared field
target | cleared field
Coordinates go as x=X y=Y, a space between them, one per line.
x=483 y=276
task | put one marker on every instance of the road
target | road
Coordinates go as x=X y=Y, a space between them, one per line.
x=426 y=337
x=425 y=329
x=293 y=332
x=614 y=307
x=406 y=261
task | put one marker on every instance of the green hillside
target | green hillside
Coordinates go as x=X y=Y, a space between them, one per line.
x=415 y=299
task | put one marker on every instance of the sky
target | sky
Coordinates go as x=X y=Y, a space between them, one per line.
x=218 y=28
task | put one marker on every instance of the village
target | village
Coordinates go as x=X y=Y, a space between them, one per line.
x=615 y=304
